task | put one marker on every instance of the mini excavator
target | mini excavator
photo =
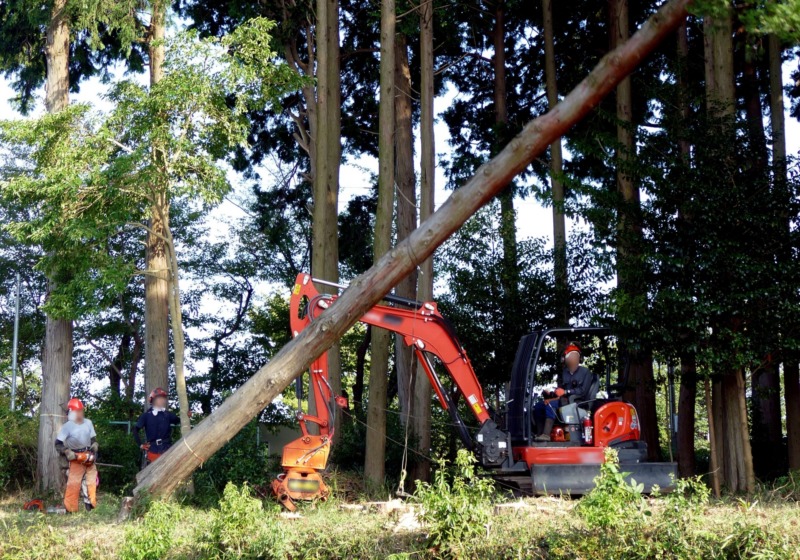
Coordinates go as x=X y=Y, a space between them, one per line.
x=504 y=443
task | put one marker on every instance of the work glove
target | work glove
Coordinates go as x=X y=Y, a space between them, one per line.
x=70 y=455
x=145 y=447
x=560 y=392
x=94 y=448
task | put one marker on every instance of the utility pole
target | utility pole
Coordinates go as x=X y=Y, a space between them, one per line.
x=14 y=351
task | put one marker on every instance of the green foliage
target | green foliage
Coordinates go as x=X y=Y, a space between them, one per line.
x=613 y=501
x=86 y=178
x=152 y=537
x=781 y=17
x=240 y=461
x=195 y=115
x=350 y=451
x=18 y=437
x=116 y=447
x=241 y=528
x=58 y=172
x=456 y=506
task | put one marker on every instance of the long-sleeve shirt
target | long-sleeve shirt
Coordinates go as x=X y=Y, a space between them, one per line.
x=157 y=428
x=577 y=384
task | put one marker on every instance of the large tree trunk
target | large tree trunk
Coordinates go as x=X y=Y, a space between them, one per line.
x=406 y=214
x=714 y=467
x=509 y=279
x=361 y=361
x=688 y=390
x=156 y=283
x=115 y=367
x=177 y=333
x=374 y=468
x=556 y=172
x=641 y=386
x=136 y=358
x=57 y=351
x=767 y=421
x=421 y=467
x=164 y=475
x=325 y=242
x=730 y=412
x=791 y=368
x=686 y=415
x=766 y=392
x=791 y=381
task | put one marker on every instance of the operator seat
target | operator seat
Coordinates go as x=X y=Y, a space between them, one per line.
x=584 y=407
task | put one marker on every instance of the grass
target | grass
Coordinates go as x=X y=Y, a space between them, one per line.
x=540 y=529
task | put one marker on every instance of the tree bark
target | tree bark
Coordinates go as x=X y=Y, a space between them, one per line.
x=509 y=279
x=177 y=333
x=164 y=475
x=136 y=358
x=713 y=441
x=421 y=467
x=688 y=390
x=156 y=287
x=361 y=359
x=791 y=381
x=406 y=214
x=556 y=173
x=791 y=368
x=374 y=468
x=58 y=342
x=325 y=237
x=115 y=367
x=730 y=411
x=641 y=385
x=686 y=415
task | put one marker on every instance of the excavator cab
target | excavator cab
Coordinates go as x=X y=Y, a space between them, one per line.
x=603 y=419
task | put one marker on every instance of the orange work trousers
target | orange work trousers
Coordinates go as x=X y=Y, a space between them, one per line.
x=77 y=471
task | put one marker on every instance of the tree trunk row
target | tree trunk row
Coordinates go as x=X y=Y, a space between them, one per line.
x=164 y=475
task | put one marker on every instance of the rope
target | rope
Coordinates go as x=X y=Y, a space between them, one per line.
x=401 y=490
x=193 y=453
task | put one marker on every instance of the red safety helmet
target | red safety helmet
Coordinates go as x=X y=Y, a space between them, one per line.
x=572 y=347
x=157 y=392
x=74 y=404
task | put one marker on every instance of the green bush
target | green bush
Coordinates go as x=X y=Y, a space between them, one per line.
x=116 y=447
x=241 y=528
x=613 y=500
x=456 y=507
x=152 y=537
x=240 y=461
x=18 y=437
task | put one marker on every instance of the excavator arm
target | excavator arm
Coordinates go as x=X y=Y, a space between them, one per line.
x=428 y=333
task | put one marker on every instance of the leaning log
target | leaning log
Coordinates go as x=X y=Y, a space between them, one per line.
x=176 y=465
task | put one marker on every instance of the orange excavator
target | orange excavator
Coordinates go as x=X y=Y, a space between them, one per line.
x=504 y=443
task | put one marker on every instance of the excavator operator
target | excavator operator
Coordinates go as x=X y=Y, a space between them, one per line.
x=574 y=385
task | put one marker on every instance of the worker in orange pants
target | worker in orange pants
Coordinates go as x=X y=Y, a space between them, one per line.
x=77 y=472
x=77 y=441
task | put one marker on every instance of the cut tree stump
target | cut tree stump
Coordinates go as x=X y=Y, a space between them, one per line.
x=180 y=461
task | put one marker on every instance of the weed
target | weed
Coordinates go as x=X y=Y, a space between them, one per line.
x=613 y=501
x=456 y=508
x=151 y=538
x=241 y=528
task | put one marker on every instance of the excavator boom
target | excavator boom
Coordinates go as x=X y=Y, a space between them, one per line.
x=423 y=329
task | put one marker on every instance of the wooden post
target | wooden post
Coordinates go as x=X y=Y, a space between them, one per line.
x=178 y=463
